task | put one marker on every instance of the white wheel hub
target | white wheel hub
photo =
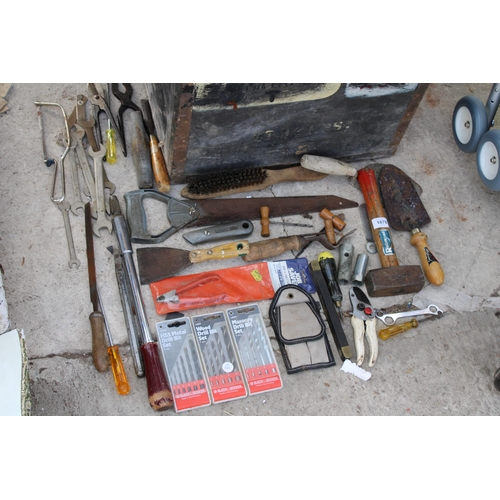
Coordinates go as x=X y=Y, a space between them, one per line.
x=463 y=125
x=488 y=160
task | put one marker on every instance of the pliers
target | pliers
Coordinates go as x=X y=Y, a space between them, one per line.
x=125 y=99
x=363 y=323
x=100 y=104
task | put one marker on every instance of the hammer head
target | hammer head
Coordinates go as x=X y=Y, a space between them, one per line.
x=395 y=280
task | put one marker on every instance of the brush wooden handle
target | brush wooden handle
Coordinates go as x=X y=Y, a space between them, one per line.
x=430 y=265
x=377 y=217
x=271 y=248
x=159 y=166
x=226 y=251
x=289 y=174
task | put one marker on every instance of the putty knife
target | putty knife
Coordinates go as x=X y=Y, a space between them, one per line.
x=406 y=212
x=155 y=264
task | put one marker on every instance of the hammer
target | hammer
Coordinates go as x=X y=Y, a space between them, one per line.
x=391 y=279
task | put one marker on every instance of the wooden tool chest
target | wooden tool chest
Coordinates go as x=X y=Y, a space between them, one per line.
x=211 y=127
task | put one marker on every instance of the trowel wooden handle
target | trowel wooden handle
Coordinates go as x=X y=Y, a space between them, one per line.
x=430 y=265
x=377 y=217
x=226 y=251
x=264 y=222
x=159 y=167
x=100 y=356
x=271 y=248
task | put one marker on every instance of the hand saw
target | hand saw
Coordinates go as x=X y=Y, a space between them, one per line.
x=183 y=213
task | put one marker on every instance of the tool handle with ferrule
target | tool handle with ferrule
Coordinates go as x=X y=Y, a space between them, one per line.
x=271 y=248
x=337 y=222
x=159 y=392
x=99 y=347
x=330 y=231
x=159 y=166
x=377 y=217
x=430 y=265
x=121 y=382
x=394 y=330
x=226 y=251
x=264 y=222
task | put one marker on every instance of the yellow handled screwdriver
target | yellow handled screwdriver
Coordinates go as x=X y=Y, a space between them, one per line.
x=110 y=145
x=121 y=382
x=394 y=330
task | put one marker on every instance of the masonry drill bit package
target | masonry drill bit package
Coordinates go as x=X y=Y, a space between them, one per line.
x=249 y=283
x=219 y=357
x=254 y=348
x=182 y=361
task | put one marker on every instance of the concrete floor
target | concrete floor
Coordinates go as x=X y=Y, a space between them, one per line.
x=443 y=367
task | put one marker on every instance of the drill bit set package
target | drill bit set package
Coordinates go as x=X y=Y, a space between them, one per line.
x=182 y=362
x=254 y=347
x=219 y=356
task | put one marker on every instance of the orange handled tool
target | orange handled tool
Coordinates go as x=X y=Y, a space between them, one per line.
x=121 y=382
x=158 y=164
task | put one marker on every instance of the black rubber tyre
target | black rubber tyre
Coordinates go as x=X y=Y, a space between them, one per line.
x=496 y=380
x=470 y=122
x=488 y=159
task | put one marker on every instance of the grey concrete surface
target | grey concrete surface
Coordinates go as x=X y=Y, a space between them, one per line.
x=443 y=367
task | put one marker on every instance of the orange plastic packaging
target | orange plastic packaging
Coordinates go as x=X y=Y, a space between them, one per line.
x=249 y=283
x=223 y=286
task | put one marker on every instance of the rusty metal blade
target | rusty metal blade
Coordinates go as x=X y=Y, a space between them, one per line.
x=222 y=210
x=155 y=264
x=89 y=237
x=405 y=211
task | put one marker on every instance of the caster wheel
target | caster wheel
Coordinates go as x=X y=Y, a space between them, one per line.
x=470 y=122
x=488 y=159
x=496 y=380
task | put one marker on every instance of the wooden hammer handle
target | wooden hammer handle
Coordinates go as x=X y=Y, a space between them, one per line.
x=377 y=217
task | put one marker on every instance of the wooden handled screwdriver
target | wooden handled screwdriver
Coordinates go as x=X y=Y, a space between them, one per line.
x=158 y=164
x=99 y=347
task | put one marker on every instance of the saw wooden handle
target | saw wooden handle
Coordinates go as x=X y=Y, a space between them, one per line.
x=226 y=251
x=430 y=265
x=159 y=166
x=377 y=217
x=271 y=248
x=264 y=221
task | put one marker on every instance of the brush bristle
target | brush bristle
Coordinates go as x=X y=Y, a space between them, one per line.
x=224 y=181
